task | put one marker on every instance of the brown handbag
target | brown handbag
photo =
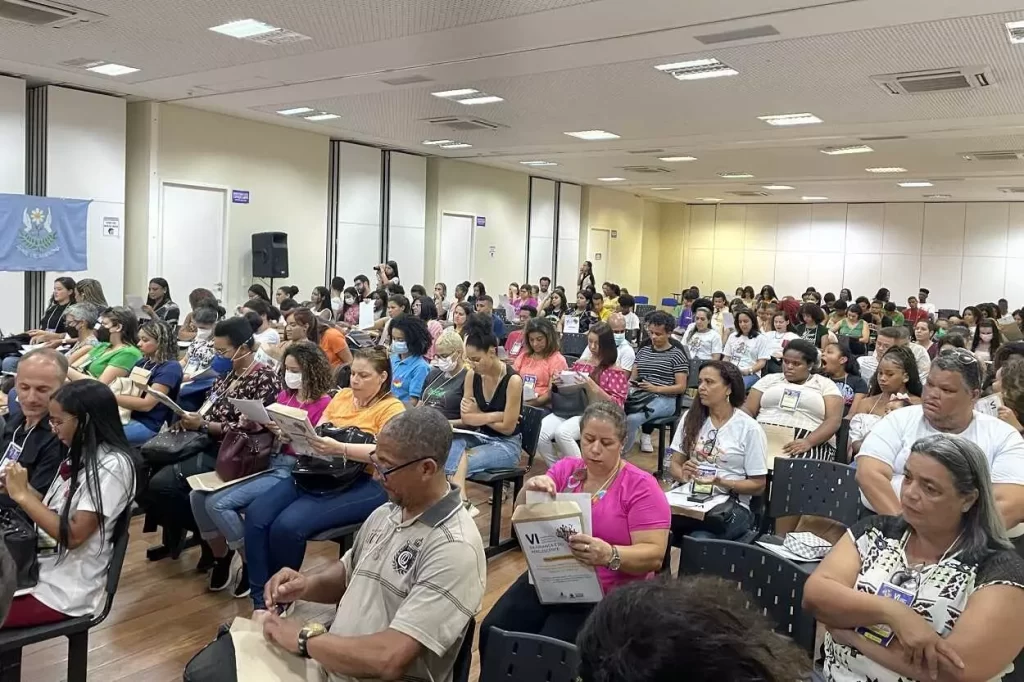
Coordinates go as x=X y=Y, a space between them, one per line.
x=242 y=453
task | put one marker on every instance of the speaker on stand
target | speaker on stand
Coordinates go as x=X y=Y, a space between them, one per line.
x=270 y=256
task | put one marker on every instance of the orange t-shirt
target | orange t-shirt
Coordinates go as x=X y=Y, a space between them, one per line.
x=333 y=343
x=539 y=371
x=342 y=411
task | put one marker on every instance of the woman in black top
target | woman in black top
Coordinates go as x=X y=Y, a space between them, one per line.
x=840 y=365
x=51 y=324
x=586 y=278
x=444 y=386
x=159 y=305
x=812 y=328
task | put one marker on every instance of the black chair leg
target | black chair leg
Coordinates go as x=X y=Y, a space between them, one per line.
x=661 y=452
x=495 y=538
x=10 y=666
x=78 y=657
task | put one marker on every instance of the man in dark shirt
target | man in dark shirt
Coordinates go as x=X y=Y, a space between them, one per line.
x=485 y=305
x=40 y=373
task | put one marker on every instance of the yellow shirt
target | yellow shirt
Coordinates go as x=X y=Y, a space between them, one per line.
x=610 y=306
x=342 y=411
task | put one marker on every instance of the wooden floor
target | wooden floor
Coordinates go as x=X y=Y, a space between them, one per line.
x=163 y=614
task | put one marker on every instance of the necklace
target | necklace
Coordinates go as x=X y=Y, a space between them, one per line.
x=603 y=490
x=449 y=380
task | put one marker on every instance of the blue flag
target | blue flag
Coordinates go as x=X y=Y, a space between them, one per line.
x=42 y=233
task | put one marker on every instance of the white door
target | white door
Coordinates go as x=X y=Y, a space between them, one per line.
x=597 y=254
x=192 y=227
x=454 y=251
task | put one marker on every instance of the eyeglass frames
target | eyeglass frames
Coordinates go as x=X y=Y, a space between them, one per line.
x=384 y=473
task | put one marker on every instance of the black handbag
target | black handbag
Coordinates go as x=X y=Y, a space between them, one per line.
x=639 y=400
x=320 y=476
x=569 y=401
x=171 y=447
x=22 y=544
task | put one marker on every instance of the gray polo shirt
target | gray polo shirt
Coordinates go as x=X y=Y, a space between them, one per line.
x=424 y=578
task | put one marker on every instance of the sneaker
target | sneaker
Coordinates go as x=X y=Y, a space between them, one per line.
x=473 y=511
x=220 y=576
x=241 y=581
x=645 y=443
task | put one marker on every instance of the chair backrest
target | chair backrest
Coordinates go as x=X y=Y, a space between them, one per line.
x=693 y=376
x=464 y=659
x=814 y=487
x=530 y=430
x=521 y=657
x=774 y=585
x=643 y=309
x=120 y=541
x=843 y=442
x=573 y=344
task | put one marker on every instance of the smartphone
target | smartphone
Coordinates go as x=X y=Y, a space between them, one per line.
x=699 y=498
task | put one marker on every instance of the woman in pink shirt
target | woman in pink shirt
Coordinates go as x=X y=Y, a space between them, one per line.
x=539 y=361
x=631 y=518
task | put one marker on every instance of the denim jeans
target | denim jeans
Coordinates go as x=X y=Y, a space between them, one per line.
x=749 y=380
x=661 y=406
x=137 y=433
x=280 y=522
x=219 y=514
x=496 y=453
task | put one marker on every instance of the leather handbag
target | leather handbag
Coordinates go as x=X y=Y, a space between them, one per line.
x=171 y=447
x=21 y=541
x=243 y=453
x=639 y=400
x=569 y=401
x=320 y=476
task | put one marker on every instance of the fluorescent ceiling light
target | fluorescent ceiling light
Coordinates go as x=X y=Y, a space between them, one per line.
x=455 y=93
x=708 y=199
x=853 y=149
x=938 y=196
x=323 y=116
x=776 y=187
x=676 y=159
x=697 y=69
x=814 y=198
x=456 y=145
x=886 y=169
x=1016 y=31
x=593 y=135
x=538 y=163
x=112 y=69
x=662 y=189
x=437 y=142
x=922 y=183
x=733 y=175
x=790 y=119
x=244 y=28
x=296 y=110
x=487 y=99
x=611 y=179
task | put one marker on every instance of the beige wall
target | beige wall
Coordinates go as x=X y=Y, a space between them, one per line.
x=623 y=213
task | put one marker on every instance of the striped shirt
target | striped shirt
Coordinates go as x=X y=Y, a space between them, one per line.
x=660 y=367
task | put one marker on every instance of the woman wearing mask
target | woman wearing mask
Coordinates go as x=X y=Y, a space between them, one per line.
x=307 y=378
x=80 y=321
x=987 y=340
x=441 y=300
x=424 y=309
x=199 y=353
x=409 y=368
x=349 y=313
x=320 y=303
x=81 y=509
x=839 y=365
x=539 y=362
x=924 y=330
x=896 y=380
x=280 y=521
x=303 y=325
x=460 y=314
x=159 y=305
x=745 y=350
x=444 y=385
x=116 y=353
x=187 y=329
x=158 y=369
x=703 y=341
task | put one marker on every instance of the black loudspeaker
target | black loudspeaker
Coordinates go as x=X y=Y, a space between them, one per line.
x=270 y=254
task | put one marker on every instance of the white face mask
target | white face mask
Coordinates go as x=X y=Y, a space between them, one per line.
x=446 y=365
x=204 y=334
x=619 y=338
x=293 y=380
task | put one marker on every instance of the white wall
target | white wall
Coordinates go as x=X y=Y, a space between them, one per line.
x=542 y=229
x=12 y=181
x=407 y=216
x=359 y=230
x=963 y=252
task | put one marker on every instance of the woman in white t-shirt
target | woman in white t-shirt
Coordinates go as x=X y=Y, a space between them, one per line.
x=720 y=445
x=745 y=348
x=797 y=398
x=703 y=342
x=776 y=340
x=79 y=512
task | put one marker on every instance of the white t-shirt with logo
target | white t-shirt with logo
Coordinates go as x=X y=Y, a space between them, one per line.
x=739 y=448
x=891 y=439
x=702 y=345
x=775 y=342
x=744 y=351
x=801 y=406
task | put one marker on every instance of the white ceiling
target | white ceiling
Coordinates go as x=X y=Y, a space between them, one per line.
x=565 y=65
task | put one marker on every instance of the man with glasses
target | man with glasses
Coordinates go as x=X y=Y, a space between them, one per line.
x=405 y=591
x=951 y=388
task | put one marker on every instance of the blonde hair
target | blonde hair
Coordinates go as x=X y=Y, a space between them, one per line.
x=449 y=342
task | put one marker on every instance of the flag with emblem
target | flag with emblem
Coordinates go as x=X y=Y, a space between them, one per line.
x=43 y=233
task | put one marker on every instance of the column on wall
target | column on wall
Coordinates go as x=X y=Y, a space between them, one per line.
x=12 y=181
x=356 y=210
x=541 y=246
x=568 y=237
x=406 y=184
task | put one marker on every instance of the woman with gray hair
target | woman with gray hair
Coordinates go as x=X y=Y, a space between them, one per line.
x=934 y=593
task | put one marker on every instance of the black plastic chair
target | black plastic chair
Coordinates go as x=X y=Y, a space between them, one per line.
x=643 y=310
x=666 y=427
x=343 y=535
x=75 y=629
x=522 y=657
x=573 y=344
x=774 y=585
x=496 y=478
x=814 y=487
x=843 y=442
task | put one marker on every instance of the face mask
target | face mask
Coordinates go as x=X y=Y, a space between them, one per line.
x=399 y=347
x=221 y=364
x=204 y=334
x=349 y=300
x=620 y=338
x=102 y=334
x=446 y=365
x=72 y=332
x=293 y=380
x=985 y=336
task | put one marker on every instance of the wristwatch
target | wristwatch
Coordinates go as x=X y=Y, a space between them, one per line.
x=616 y=561
x=308 y=632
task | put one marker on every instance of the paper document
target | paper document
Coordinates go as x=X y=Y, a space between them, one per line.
x=543 y=531
x=258 y=661
x=570 y=378
x=210 y=482
x=989 y=405
x=163 y=399
x=570 y=325
x=252 y=409
x=295 y=427
x=264 y=358
x=581 y=499
x=366 y=314
x=136 y=303
x=778 y=436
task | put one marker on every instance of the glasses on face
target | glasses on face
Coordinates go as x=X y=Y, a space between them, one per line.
x=224 y=353
x=56 y=423
x=385 y=472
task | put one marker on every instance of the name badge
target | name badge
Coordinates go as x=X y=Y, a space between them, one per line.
x=705 y=472
x=12 y=454
x=208 y=404
x=529 y=387
x=571 y=325
x=790 y=399
x=516 y=347
x=882 y=633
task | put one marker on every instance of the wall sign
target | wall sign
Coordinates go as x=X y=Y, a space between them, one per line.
x=492 y=250
x=239 y=196
x=615 y=234
x=481 y=221
x=112 y=227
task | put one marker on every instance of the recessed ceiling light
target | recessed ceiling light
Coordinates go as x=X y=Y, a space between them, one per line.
x=735 y=175
x=886 y=169
x=776 y=187
x=322 y=116
x=455 y=93
x=814 y=198
x=708 y=199
x=244 y=28
x=113 y=69
x=697 y=69
x=296 y=110
x=456 y=145
x=676 y=159
x=853 y=149
x=790 y=119
x=593 y=135
x=487 y=99
x=538 y=163
x=922 y=183
x=611 y=179
x=1016 y=31
x=938 y=196
x=662 y=189
x=436 y=142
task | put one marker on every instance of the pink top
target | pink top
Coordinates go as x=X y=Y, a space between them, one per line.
x=519 y=303
x=314 y=409
x=435 y=329
x=633 y=502
x=538 y=370
x=514 y=343
x=613 y=380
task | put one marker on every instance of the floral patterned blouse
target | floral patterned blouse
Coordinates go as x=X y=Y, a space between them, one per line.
x=259 y=383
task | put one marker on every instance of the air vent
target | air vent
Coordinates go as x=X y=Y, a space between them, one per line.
x=749 y=193
x=741 y=34
x=50 y=14
x=464 y=123
x=1005 y=155
x=1012 y=190
x=882 y=138
x=648 y=170
x=647 y=152
x=82 y=63
x=939 y=80
x=406 y=80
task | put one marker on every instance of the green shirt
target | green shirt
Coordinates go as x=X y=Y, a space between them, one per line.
x=101 y=357
x=897 y=319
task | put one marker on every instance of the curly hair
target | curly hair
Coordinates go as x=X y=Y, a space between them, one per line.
x=904 y=357
x=165 y=338
x=415 y=332
x=317 y=377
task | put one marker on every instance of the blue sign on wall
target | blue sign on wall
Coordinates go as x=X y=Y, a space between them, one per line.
x=239 y=196
x=481 y=221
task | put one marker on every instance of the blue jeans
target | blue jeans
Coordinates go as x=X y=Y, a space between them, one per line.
x=137 y=433
x=749 y=380
x=219 y=514
x=661 y=406
x=280 y=522
x=496 y=453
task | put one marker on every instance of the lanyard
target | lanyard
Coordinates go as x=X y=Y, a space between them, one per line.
x=14 y=436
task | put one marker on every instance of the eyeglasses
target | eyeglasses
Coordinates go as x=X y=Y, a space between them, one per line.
x=384 y=473
x=709 y=444
x=55 y=423
x=963 y=356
